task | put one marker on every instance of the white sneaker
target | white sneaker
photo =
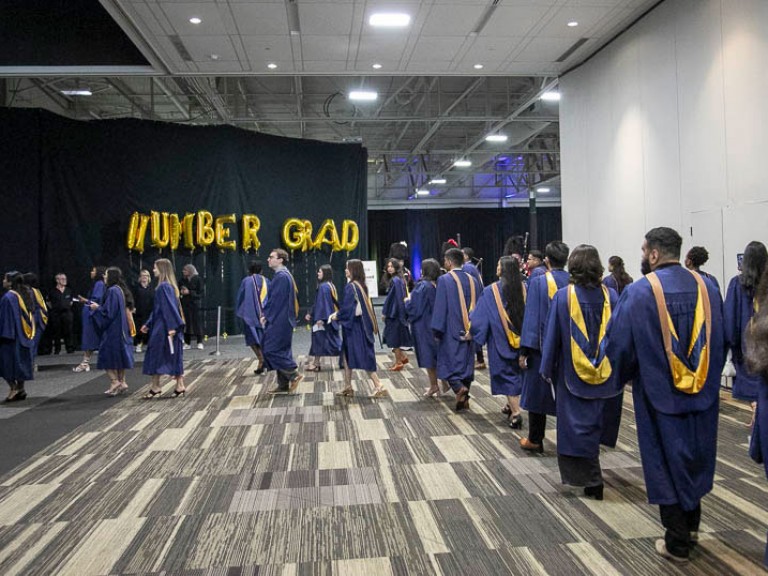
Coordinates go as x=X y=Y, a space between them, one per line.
x=186 y=347
x=138 y=349
x=200 y=346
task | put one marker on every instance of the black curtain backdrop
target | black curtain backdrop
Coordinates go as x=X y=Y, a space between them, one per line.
x=485 y=230
x=69 y=188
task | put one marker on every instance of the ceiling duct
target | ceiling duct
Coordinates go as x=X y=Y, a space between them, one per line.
x=485 y=17
x=578 y=44
x=294 y=25
x=180 y=48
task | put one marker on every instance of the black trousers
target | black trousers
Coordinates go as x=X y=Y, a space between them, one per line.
x=62 y=330
x=537 y=423
x=679 y=524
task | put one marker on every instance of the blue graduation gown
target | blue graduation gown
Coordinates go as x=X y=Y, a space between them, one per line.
x=737 y=313
x=711 y=278
x=418 y=310
x=249 y=307
x=535 y=273
x=280 y=312
x=111 y=321
x=472 y=270
x=487 y=328
x=396 y=332
x=358 y=340
x=41 y=319
x=166 y=315
x=455 y=357
x=326 y=342
x=91 y=338
x=15 y=348
x=758 y=446
x=537 y=396
x=677 y=432
x=587 y=414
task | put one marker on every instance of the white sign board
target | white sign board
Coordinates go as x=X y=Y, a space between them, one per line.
x=371 y=277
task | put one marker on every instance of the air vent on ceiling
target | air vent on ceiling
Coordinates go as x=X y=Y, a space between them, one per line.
x=180 y=48
x=485 y=17
x=294 y=25
x=565 y=55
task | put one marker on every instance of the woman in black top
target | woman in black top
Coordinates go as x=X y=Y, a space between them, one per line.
x=191 y=289
x=144 y=296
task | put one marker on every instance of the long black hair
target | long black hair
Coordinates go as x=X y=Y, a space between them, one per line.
x=115 y=278
x=512 y=289
x=616 y=264
x=753 y=266
x=584 y=266
x=430 y=270
x=16 y=280
x=327 y=274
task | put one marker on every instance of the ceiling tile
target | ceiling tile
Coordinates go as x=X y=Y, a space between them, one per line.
x=219 y=67
x=326 y=19
x=515 y=20
x=454 y=20
x=178 y=15
x=381 y=47
x=263 y=49
x=324 y=47
x=494 y=49
x=201 y=47
x=320 y=66
x=436 y=48
x=544 y=49
x=588 y=18
x=260 y=18
x=428 y=67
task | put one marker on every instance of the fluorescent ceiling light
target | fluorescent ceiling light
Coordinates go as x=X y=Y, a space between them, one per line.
x=478 y=66
x=462 y=163
x=496 y=138
x=551 y=96
x=363 y=95
x=543 y=190
x=437 y=181
x=80 y=92
x=195 y=20
x=377 y=66
x=422 y=192
x=573 y=24
x=271 y=65
x=389 y=20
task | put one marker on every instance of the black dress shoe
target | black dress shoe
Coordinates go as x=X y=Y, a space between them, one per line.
x=259 y=371
x=595 y=492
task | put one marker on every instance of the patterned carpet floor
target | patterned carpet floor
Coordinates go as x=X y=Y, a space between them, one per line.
x=232 y=481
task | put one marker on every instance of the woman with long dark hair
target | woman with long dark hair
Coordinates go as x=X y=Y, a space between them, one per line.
x=165 y=327
x=418 y=308
x=618 y=279
x=115 y=324
x=325 y=334
x=396 y=333
x=496 y=321
x=359 y=325
x=740 y=306
x=90 y=340
x=18 y=331
x=573 y=358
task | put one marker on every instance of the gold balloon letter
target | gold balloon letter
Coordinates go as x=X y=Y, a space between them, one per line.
x=293 y=233
x=251 y=226
x=175 y=231
x=133 y=226
x=141 y=233
x=158 y=231
x=205 y=233
x=327 y=228
x=188 y=230
x=222 y=232
x=350 y=235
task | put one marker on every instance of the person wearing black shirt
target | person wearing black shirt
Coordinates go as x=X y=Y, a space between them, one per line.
x=191 y=289
x=144 y=296
x=60 y=310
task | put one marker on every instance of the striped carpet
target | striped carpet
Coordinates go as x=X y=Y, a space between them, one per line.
x=233 y=481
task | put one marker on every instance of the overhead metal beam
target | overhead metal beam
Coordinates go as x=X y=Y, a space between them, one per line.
x=126 y=93
x=172 y=97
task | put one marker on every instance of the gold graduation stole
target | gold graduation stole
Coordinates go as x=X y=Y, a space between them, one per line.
x=512 y=338
x=27 y=322
x=334 y=297
x=590 y=369
x=41 y=304
x=407 y=292
x=368 y=307
x=551 y=285
x=263 y=291
x=684 y=376
x=462 y=301
x=295 y=294
x=128 y=316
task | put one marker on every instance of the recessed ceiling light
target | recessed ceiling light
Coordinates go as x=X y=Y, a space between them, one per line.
x=422 y=192
x=78 y=92
x=543 y=190
x=496 y=138
x=363 y=95
x=271 y=65
x=377 y=66
x=478 y=66
x=462 y=163
x=573 y=24
x=389 y=20
x=437 y=181
x=195 y=20
x=551 y=96
x=214 y=56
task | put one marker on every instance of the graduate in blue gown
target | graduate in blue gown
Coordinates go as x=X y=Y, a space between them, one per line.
x=90 y=339
x=326 y=340
x=497 y=321
x=538 y=396
x=535 y=266
x=359 y=329
x=573 y=357
x=165 y=326
x=418 y=309
x=397 y=335
x=675 y=383
x=249 y=307
x=456 y=296
x=618 y=279
x=112 y=323
x=695 y=259
x=281 y=314
x=470 y=268
x=18 y=331
x=739 y=309
x=41 y=311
